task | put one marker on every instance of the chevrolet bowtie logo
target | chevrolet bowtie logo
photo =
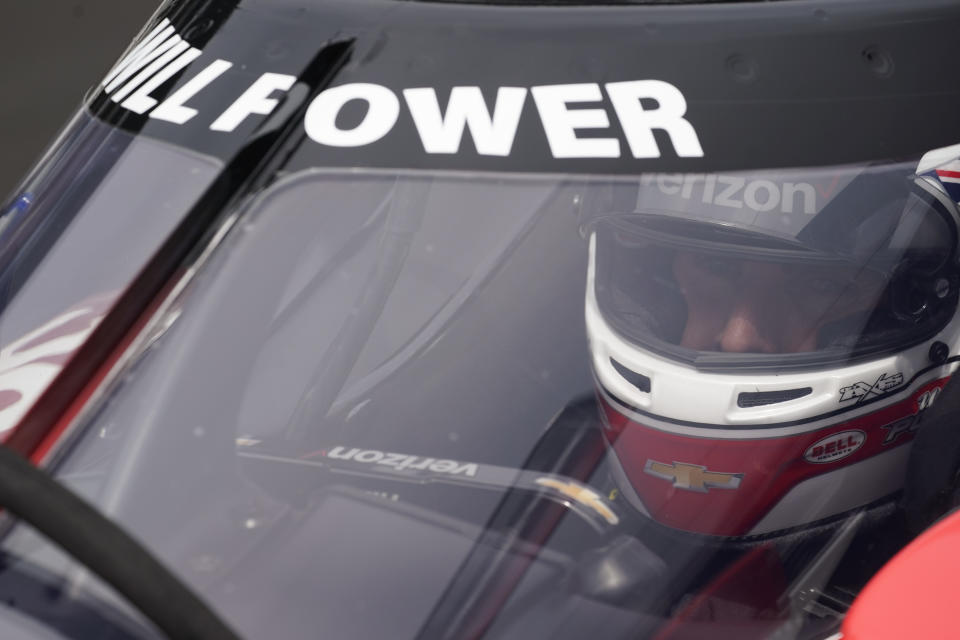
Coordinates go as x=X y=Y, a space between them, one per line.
x=693 y=477
x=581 y=494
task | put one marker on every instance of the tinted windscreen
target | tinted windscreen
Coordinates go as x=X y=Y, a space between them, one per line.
x=400 y=405
x=73 y=236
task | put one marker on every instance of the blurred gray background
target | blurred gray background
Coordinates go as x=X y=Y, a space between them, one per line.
x=54 y=51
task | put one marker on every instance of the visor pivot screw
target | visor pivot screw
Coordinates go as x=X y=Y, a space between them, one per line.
x=941 y=288
x=939 y=352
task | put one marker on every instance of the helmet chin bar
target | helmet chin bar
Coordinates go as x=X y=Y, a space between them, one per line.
x=681 y=394
x=698 y=461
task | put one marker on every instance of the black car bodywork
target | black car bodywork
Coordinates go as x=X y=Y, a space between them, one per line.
x=341 y=384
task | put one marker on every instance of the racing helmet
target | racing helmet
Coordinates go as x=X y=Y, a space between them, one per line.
x=765 y=344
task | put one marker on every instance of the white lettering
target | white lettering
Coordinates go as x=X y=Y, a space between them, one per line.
x=340 y=454
x=368 y=456
x=770 y=201
x=669 y=189
x=443 y=466
x=394 y=459
x=423 y=464
x=173 y=110
x=733 y=185
x=441 y=133
x=708 y=186
x=469 y=469
x=401 y=461
x=638 y=124
x=179 y=47
x=163 y=53
x=321 y=117
x=406 y=462
x=927 y=398
x=790 y=189
x=689 y=180
x=561 y=123
x=139 y=56
x=256 y=99
x=734 y=192
x=141 y=101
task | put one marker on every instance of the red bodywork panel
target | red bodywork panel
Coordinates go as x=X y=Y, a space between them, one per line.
x=916 y=594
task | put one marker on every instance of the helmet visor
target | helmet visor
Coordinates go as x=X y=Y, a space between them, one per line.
x=870 y=269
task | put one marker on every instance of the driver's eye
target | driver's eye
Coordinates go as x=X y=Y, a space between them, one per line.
x=719 y=267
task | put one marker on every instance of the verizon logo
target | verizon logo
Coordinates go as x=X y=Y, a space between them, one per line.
x=401 y=461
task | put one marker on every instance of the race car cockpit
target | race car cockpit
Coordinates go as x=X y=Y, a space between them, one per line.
x=419 y=320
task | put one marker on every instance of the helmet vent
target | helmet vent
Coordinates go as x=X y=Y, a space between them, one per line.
x=749 y=399
x=638 y=380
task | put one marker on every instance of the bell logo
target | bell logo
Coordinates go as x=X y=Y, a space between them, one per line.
x=693 y=477
x=836 y=446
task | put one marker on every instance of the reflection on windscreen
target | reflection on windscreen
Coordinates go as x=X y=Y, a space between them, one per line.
x=460 y=405
x=78 y=231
